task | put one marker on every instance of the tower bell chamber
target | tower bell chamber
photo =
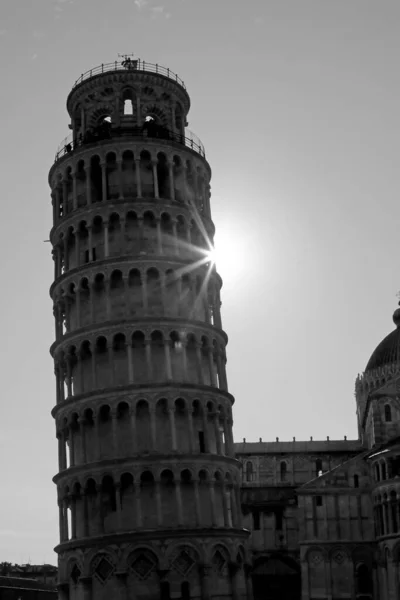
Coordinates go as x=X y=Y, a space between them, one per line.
x=148 y=486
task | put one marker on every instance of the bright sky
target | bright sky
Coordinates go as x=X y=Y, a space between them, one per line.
x=296 y=102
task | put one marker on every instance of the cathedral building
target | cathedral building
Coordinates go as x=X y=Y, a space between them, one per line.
x=155 y=498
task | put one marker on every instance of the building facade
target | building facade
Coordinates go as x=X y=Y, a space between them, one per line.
x=148 y=483
x=324 y=516
x=155 y=499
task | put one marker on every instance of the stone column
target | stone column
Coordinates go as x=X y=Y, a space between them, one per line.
x=199 y=364
x=129 y=355
x=168 y=365
x=71 y=448
x=82 y=422
x=61 y=520
x=78 y=307
x=72 y=500
x=213 y=378
x=153 y=430
x=197 y=502
x=74 y=192
x=190 y=427
x=77 y=248
x=234 y=569
x=149 y=364
x=138 y=505
x=114 y=428
x=184 y=360
x=158 y=503
x=171 y=180
x=178 y=497
x=249 y=583
x=65 y=520
x=65 y=249
x=205 y=578
x=110 y=351
x=217 y=433
x=65 y=196
x=103 y=166
x=88 y=185
x=133 y=428
x=85 y=525
x=106 y=236
x=212 y=500
x=175 y=236
x=87 y=587
x=171 y=412
x=205 y=428
x=155 y=178
x=93 y=365
x=69 y=377
x=118 y=504
x=225 y=504
x=159 y=236
x=62 y=390
x=234 y=508
x=120 y=182
x=62 y=458
x=107 y=296
x=138 y=179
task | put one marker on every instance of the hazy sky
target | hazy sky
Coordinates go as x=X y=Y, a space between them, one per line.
x=296 y=102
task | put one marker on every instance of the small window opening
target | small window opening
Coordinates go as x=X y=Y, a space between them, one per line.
x=87 y=255
x=202 y=442
x=318 y=500
x=185 y=590
x=107 y=120
x=149 y=119
x=356 y=482
x=165 y=594
x=256 y=520
x=377 y=475
x=128 y=107
x=283 y=468
x=249 y=471
x=278 y=521
x=383 y=471
x=318 y=467
x=388 y=413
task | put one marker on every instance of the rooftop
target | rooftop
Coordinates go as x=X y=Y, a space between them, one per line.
x=298 y=446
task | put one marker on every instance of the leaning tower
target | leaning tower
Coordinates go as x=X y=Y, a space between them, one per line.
x=148 y=486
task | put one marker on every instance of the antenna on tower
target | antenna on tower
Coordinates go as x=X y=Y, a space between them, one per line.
x=127 y=61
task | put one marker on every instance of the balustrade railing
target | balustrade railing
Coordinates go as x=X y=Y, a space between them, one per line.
x=129 y=65
x=189 y=140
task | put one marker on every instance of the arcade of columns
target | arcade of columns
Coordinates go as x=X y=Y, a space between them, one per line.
x=148 y=486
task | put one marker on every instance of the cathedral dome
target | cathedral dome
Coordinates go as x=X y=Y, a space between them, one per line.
x=388 y=351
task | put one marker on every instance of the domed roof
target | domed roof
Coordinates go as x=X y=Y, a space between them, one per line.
x=388 y=351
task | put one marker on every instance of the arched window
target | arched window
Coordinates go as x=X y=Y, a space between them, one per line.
x=128 y=107
x=318 y=467
x=377 y=474
x=185 y=590
x=388 y=413
x=356 y=481
x=249 y=471
x=283 y=470
x=383 y=470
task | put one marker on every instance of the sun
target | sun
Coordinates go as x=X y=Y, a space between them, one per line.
x=227 y=255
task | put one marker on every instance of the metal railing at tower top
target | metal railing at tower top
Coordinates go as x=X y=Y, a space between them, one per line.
x=130 y=65
x=189 y=140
